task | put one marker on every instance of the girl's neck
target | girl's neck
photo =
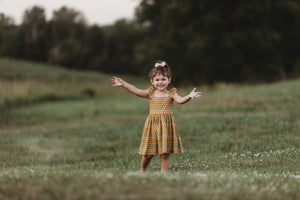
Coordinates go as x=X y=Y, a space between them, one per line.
x=160 y=93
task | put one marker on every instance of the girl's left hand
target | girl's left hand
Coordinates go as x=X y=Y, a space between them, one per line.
x=194 y=94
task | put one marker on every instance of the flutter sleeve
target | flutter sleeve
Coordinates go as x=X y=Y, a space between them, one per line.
x=151 y=91
x=173 y=91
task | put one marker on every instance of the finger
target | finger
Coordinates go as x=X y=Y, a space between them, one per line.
x=194 y=90
x=115 y=80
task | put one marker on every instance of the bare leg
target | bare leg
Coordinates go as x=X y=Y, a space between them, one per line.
x=145 y=161
x=164 y=162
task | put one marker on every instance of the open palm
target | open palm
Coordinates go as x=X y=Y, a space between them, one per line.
x=195 y=94
x=116 y=81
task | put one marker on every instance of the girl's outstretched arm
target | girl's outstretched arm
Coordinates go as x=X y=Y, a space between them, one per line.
x=181 y=100
x=131 y=88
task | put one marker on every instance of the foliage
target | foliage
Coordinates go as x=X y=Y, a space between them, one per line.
x=225 y=41
x=203 y=41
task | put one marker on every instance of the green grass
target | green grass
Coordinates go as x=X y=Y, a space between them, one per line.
x=57 y=142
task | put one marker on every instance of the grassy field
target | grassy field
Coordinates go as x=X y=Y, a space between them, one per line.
x=70 y=135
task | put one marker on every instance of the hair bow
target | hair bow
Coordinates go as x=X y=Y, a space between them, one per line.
x=162 y=64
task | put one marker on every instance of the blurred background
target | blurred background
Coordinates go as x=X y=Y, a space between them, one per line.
x=203 y=41
x=63 y=124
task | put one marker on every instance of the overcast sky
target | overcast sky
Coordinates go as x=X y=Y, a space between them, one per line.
x=99 y=12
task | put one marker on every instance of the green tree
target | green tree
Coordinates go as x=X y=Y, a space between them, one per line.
x=224 y=41
x=68 y=33
x=120 y=41
x=67 y=23
x=94 y=43
x=10 y=39
x=34 y=30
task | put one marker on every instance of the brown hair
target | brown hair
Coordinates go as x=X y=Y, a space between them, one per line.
x=164 y=70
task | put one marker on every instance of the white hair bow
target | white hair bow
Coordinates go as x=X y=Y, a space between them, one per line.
x=162 y=64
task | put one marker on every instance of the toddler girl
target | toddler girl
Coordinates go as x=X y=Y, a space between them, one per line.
x=160 y=135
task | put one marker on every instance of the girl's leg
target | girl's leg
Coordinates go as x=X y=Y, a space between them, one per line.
x=164 y=162
x=145 y=161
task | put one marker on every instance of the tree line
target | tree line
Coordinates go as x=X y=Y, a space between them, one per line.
x=202 y=40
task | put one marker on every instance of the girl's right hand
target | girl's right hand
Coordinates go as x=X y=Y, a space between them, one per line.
x=117 y=81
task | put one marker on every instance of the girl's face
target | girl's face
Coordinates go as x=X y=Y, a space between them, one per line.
x=160 y=82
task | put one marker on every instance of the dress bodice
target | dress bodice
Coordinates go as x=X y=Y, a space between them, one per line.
x=161 y=105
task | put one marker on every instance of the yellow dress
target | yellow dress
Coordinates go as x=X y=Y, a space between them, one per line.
x=160 y=134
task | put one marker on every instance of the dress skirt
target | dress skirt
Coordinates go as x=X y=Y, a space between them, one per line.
x=160 y=136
